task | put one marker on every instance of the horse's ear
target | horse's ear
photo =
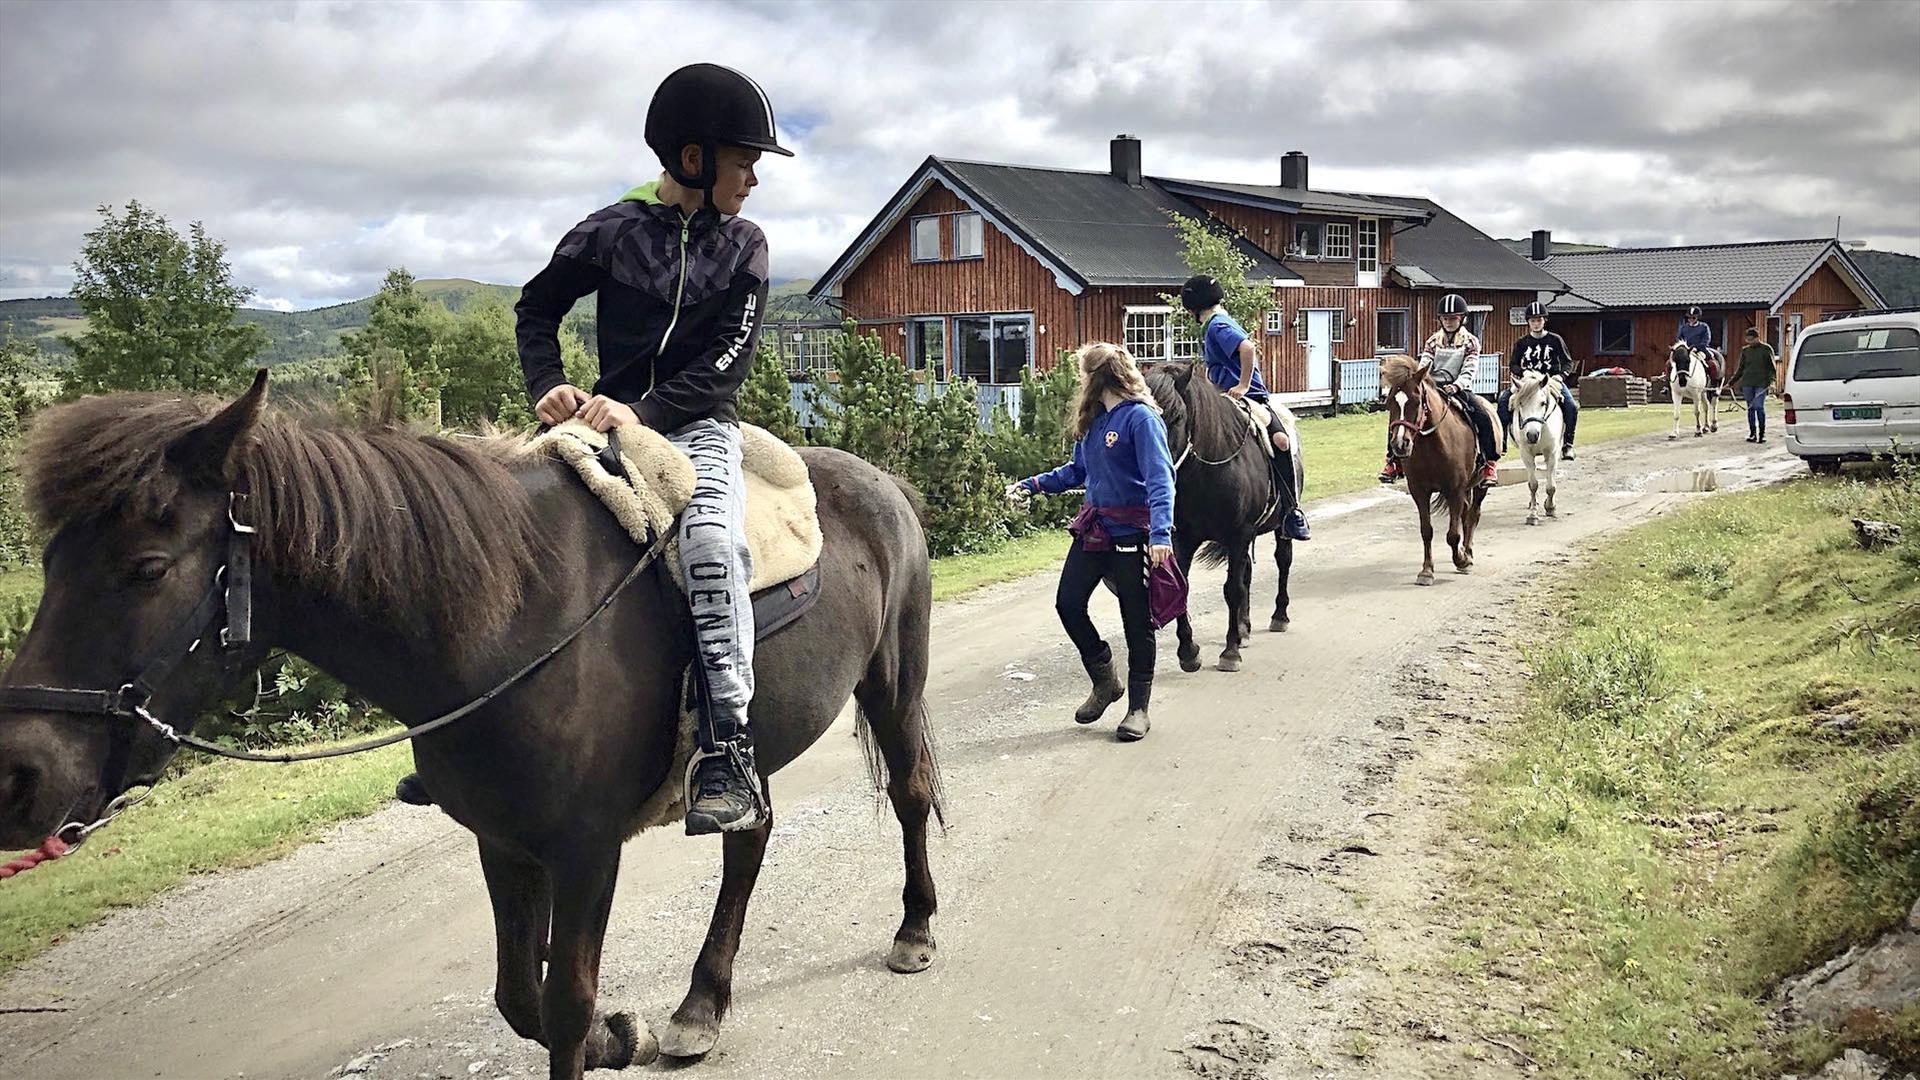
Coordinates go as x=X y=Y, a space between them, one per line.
x=1182 y=374
x=208 y=453
x=1426 y=364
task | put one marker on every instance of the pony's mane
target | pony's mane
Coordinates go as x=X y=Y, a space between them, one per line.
x=1399 y=371
x=432 y=534
x=1211 y=421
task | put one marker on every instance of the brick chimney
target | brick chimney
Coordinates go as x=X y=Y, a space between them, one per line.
x=1125 y=153
x=1293 y=170
x=1542 y=245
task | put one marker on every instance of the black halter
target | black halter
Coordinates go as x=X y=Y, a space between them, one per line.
x=230 y=592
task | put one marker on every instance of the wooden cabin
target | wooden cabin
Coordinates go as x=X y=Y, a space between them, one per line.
x=979 y=270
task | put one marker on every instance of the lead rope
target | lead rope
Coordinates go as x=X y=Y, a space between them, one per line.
x=58 y=846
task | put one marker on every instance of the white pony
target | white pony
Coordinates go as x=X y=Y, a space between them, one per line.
x=1537 y=429
x=1687 y=378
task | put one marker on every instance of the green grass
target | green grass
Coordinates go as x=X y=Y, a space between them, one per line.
x=956 y=575
x=1716 y=785
x=22 y=584
x=218 y=816
x=1344 y=453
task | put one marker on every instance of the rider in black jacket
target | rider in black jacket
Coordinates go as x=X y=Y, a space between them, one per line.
x=1540 y=349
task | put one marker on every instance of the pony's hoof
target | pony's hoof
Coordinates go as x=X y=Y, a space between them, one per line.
x=1228 y=663
x=618 y=1042
x=1424 y=578
x=1190 y=663
x=1670 y=438
x=689 y=1039
x=1278 y=626
x=1532 y=520
x=907 y=957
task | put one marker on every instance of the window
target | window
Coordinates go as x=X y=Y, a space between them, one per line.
x=1885 y=352
x=1276 y=322
x=1517 y=316
x=993 y=348
x=1339 y=241
x=926 y=239
x=1369 y=246
x=927 y=347
x=1144 y=333
x=1186 y=346
x=1306 y=241
x=968 y=237
x=1477 y=319
x=1615 y=337
x=1337 y=317
x=1390 y=330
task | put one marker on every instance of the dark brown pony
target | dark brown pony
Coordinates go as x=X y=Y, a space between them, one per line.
x=421 y=572
x=1436 y=448
x=1223 y=498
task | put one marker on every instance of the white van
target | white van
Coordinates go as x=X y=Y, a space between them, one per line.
x=1853 y=389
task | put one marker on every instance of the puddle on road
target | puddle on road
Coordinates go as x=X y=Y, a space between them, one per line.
x=1693 y=480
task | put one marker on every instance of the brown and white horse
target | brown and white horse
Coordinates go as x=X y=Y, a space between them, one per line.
x=1436 y=449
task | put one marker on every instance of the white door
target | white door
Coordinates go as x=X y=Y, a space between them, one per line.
x=1320 y=349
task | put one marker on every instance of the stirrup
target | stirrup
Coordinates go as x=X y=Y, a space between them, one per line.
x=741 y=758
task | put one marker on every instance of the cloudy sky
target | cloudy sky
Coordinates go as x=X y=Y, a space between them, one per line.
x=326 y=142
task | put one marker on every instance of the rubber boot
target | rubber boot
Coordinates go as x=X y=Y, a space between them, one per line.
x=1106 y=691
x=1293 y=525
x=1134 y=727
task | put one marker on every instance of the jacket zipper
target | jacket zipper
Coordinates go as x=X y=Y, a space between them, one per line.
x=679 y=293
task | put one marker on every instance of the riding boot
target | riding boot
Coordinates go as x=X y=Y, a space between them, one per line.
x=1134 y=727
x=1392 y=471
x=413 y=791
x=1106 y=690
x=1293 y=525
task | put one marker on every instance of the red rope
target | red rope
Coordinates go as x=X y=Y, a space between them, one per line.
x=51 y=848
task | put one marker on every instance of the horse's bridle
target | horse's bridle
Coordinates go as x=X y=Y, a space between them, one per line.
x=230 y=595
x=1418 y=425
x=1553 y=403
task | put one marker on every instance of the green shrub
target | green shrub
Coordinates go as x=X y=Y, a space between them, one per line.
x=1040 y=440
x=967 y=509
x=766 y=398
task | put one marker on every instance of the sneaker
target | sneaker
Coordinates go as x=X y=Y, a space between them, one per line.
x=1490 y=474
x=1391 y=473
x=725 y=798
x=1295 y=525
x=1566 y=452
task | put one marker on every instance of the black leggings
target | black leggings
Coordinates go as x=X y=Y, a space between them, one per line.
x=1079 y=577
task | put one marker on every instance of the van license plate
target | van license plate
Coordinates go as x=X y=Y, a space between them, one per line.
x=1856 y=412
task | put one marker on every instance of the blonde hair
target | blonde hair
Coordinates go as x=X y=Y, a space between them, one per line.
x=1105 y=367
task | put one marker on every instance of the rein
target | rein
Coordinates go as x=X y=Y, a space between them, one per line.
x=231 y=595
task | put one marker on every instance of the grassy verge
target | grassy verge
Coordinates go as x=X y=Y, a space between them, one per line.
x=956 y=575
x=218 y=816
x=1716 y=785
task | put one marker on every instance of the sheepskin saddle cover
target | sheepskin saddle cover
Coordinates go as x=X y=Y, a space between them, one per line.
x=783 y=528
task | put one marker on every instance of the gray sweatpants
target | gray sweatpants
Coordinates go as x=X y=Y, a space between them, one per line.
x=718 y=569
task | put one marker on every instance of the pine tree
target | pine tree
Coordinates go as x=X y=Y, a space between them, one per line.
x=766 y=398
x=1210 y=250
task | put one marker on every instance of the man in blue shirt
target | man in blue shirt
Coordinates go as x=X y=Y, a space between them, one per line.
x=1233 y=364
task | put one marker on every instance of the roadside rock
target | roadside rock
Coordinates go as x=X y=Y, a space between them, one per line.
x=1860 y=989
x=1852 y=1065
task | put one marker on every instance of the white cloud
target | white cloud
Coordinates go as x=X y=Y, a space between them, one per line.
x=326 y=142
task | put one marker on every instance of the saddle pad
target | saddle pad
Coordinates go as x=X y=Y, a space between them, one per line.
x=783 y=527
x=1257 y=418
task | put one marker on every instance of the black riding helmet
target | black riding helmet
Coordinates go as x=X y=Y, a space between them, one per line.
x=711 y=106
x=1536 y=310
x=1693 y=313
x=1200 y=293
x=1453 y=304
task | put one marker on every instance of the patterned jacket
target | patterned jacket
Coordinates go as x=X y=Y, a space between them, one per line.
x=1460 y=339
x=680 y=305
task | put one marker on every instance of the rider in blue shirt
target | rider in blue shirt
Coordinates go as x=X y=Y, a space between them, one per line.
x=1233 y=365
x=1695 y=334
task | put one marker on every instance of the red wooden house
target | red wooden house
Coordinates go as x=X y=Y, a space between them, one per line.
x=979 y=270
x=1627 y=304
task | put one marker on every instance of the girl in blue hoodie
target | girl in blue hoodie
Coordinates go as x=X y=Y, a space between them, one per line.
x=1126 y=526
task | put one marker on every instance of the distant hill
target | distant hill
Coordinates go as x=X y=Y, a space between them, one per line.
x=292 y=335
x=1896 y=276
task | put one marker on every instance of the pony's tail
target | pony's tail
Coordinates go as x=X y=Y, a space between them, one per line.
x=1212 y=553
x=879 y=775
x=913 y=497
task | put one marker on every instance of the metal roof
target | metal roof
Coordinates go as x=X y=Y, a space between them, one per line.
x=1456 y=255
x=1295 y=200
x=1757 y=274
